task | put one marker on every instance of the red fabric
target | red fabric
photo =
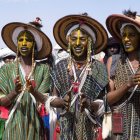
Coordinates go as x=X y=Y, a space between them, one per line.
x=42 y=110
x=4 y=112
x=99 y=134
x=33 y=83
x=58 y=129
x=56 y=133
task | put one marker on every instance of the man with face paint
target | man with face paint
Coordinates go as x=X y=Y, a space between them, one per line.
x=124 y=73
x=21 y=79
x=79 y=80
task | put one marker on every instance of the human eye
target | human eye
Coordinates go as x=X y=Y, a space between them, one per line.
x=123 y=35
x=132 y=34
x=20 y=40
x=83 y=38
x=29 y=40
x=73 y=38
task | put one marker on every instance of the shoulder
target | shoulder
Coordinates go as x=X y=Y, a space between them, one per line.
x=61 y=64
x=42 y=66
x=99 y=73
x=112 y=63
x=97 y=64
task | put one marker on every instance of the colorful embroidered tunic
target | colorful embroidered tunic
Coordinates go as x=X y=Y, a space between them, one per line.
x=74 y=124
x=131 y=111
x=25 y=123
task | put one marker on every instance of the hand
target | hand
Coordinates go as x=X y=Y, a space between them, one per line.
x=84 y=102
x=18 y=85
x=67 y=100
x=135 y=80
x=29 y=86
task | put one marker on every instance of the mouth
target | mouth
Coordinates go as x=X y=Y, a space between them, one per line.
x=127 y=45
x=24 y=49
x=78 y=49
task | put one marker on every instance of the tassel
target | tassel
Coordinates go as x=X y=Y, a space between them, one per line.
x=107 y=125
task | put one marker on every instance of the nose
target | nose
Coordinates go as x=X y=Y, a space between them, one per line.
x=78 y=42
x=112 y=49
x=24 y=43
x=78 y=38
x=126 y=39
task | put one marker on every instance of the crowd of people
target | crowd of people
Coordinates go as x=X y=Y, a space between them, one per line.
x=85 y=88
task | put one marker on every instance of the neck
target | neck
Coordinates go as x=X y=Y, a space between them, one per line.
x=79 y=59
x=133 y=56
x=27 y=60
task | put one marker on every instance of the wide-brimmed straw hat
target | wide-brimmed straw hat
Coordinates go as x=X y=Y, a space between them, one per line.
x=63 y=25
x=115 y=21
x=11 y=31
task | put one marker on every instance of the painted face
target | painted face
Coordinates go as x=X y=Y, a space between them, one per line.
x=78 y=43
x=25 y=43
x=130 y=38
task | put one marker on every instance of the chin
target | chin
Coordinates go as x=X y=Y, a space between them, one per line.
x=129 y=50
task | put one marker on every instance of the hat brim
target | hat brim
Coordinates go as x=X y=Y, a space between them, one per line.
x=63 y=25
x=7 y=32
x=114 y=23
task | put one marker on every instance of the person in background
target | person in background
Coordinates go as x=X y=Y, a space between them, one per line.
x=59 y=53
x=124 y=73
x=6 y=56
x=113 y=48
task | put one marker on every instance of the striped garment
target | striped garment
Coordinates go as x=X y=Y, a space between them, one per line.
x=131 y=111
x=25 y=123
x=77 y=125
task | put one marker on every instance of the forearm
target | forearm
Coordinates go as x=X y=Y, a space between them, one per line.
x=58 y=103
x=116 y=95
x=39 y=96
x=94 y=106
x=8 y=99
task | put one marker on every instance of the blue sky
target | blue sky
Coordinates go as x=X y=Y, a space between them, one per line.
x=51 y=10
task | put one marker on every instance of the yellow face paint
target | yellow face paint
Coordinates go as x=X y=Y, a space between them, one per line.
x=130 y=38
x=78 y=43
x=78 y=38
x=25 y=44
x=24 y=39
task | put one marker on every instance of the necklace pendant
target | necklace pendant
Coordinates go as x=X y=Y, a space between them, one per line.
x=75 y=87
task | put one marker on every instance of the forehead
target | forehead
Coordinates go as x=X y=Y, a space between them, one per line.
x=130 y=28
x=82 y=32
x=113 y=46
x=26 y=33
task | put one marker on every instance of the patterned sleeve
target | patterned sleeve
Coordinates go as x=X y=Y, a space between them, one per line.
x=43 y=78
x=6 y=78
